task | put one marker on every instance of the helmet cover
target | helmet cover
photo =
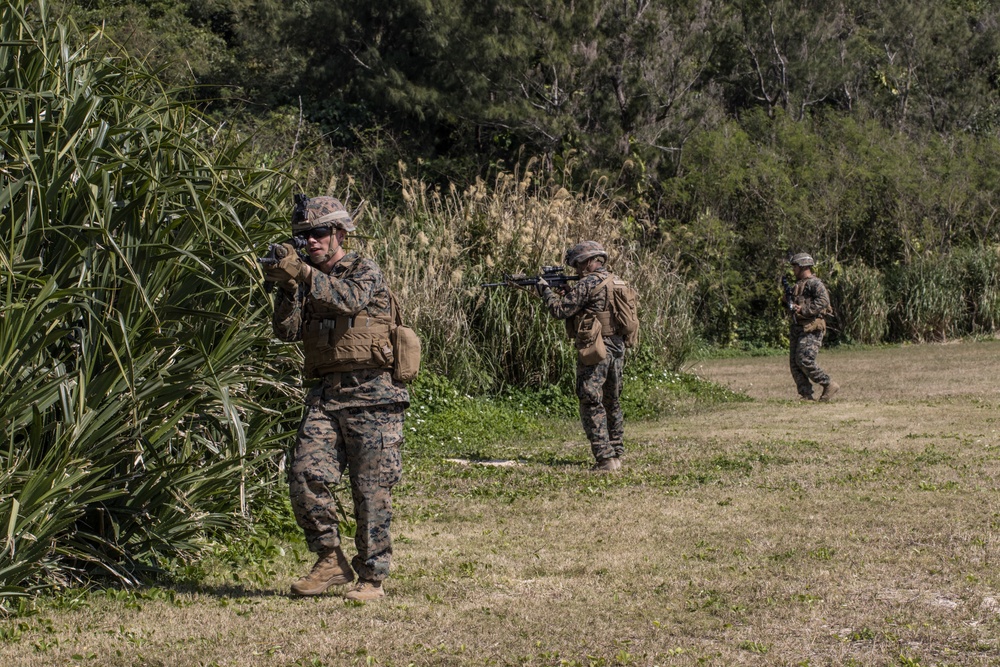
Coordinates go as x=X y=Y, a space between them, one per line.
x=313 y=212
x=802 y=259
x=583 y=251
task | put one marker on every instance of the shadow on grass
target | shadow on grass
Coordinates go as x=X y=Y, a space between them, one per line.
x=231 y=591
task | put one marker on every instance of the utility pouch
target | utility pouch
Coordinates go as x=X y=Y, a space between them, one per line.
x=817 y=325
x=405 y=347
x=590 y=348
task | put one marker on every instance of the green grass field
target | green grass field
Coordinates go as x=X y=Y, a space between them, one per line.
x=759 y=532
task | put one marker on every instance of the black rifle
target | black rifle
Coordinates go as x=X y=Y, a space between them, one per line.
x=555 y=276
x=276 y=251
x=789 y=293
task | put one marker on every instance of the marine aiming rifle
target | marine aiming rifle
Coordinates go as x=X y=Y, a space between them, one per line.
x=555 y=276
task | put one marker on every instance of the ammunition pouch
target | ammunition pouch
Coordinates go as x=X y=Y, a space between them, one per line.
x=346 y=344
x=607 y=322
x=590 y=349
x=812 y=325
x=405 y=347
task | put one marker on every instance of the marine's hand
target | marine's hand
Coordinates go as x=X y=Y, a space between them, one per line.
x=289 y=269
x=541 y=286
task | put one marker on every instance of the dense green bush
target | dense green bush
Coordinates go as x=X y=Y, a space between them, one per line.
x=927 y=302
x=980 y=269
x=861 y=310
x=443 y=242
x=139 y=382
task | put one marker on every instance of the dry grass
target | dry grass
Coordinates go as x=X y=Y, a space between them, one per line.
x=861 y=532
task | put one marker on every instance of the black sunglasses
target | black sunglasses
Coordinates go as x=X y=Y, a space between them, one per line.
x=319 y=233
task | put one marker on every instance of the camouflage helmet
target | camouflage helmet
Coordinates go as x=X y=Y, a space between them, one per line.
x=315 y=212
x=802 y=259
x=583 y=251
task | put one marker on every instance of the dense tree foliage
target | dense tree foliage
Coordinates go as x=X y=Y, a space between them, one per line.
x=736 y=130
x=458 y=76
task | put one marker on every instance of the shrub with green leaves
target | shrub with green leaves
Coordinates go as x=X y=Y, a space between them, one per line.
x=444 y=242
x=138 y=379
x=980 y=269
x=859 y=301
x=927 y=300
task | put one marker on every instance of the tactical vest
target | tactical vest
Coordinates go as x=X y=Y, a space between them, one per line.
x=817 y=322
x=603 y=316
x=337 y=343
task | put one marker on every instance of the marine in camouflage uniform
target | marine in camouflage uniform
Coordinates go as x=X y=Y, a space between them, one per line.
x=338 y=304
x=598 y=386
x=810 y=306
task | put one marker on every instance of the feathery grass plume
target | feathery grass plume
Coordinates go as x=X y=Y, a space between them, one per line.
x=859 y=301
x=444 y=241
x=666 y=309
x=928 y=303
x=139 y=387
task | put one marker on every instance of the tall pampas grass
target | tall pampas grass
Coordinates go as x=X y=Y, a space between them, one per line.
x=444 y=241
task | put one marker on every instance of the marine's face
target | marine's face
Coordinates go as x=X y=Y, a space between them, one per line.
x=321 y=243
x=588 y=266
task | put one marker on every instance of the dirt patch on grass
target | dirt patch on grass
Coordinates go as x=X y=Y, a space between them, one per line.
x=861 y=532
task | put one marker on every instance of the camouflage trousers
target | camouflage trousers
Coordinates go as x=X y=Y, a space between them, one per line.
x=599 y=387
x=367 y=442
x=802 y=351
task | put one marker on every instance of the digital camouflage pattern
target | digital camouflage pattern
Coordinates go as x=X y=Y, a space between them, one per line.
x=352 y=420
x=365 y=441
x=803 y=348
x=598 y=387
x=802 y=259
x=814 y=301
x=363 y=289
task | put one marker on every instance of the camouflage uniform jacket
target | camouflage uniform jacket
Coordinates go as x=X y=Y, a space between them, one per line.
x=353 y=284
x=583 y=298
x=811 y=295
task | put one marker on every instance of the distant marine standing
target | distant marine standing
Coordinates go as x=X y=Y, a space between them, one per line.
x=339 y=305
x=601 y=350
x=809 y=307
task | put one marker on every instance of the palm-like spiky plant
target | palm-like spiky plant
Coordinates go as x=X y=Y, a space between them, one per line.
x=137 y=376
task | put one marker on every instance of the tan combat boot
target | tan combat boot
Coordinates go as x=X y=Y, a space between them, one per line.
x=607 y=465
x=829 y=390
x=332 y=568
x=366 y=591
